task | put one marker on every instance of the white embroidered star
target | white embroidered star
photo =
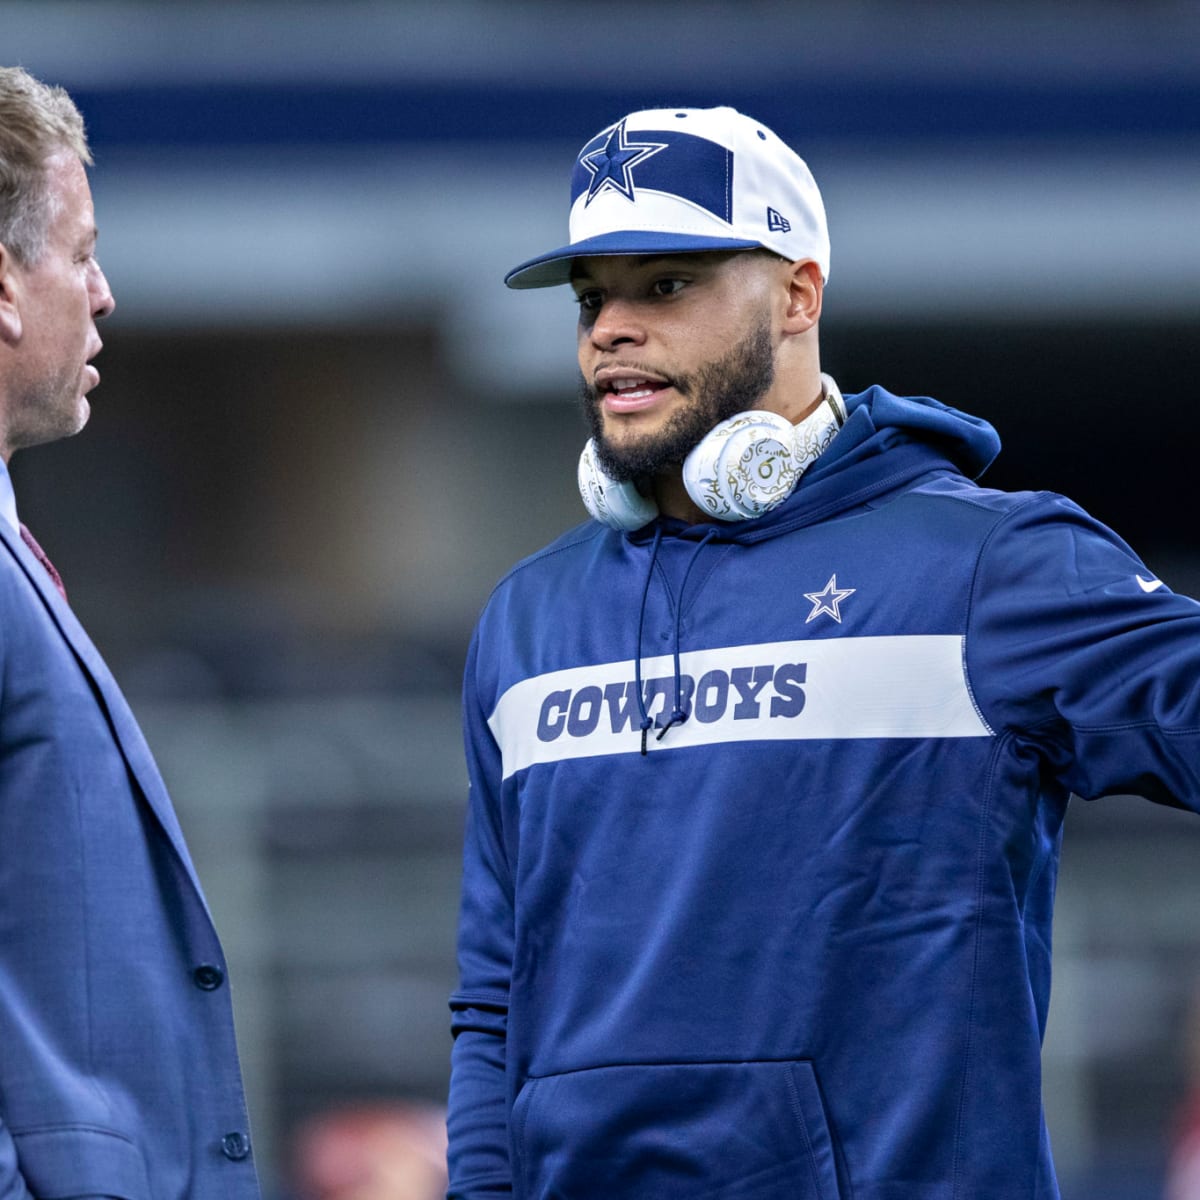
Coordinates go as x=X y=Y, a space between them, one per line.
x=827 y=601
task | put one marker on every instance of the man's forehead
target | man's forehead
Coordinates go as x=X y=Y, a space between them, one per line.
x=590 y=266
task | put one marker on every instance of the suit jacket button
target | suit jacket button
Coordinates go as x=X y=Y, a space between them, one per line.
x=208 y=977
x=235 y=1146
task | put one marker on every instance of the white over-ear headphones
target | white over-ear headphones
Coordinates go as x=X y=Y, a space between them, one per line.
x=740 y=469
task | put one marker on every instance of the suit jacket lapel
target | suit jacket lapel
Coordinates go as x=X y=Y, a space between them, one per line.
x=126 y=731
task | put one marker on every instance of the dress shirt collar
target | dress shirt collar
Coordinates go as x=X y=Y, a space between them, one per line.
x=8 y=499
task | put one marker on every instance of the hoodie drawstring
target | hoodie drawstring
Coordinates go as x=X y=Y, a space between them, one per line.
x=678 y=715
x=637 y=654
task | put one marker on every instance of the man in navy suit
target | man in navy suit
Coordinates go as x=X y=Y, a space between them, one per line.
x=119 y=1074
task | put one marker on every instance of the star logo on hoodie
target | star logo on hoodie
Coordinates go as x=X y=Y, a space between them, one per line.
x=828 y=600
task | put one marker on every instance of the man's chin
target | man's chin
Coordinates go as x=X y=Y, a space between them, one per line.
x=72 y=422
x=634 y=459
x=76 y=417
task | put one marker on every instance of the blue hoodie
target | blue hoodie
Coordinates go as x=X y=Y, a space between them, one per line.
x=764 y=828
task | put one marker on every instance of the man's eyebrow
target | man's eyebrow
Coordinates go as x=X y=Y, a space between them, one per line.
x=638 y=260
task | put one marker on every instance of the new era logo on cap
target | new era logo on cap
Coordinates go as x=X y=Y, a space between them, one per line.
x=686 y=180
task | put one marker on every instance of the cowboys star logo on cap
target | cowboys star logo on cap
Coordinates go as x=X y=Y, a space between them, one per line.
x=612 y=166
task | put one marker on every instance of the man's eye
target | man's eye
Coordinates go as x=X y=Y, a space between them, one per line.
x=588 y=301
x=667 y=287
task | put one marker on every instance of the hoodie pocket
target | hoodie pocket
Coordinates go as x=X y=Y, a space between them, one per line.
x=670 y=1131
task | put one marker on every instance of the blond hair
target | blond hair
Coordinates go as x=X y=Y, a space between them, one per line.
x=37 y=121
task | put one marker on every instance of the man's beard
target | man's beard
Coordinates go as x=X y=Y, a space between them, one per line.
x=716 y=391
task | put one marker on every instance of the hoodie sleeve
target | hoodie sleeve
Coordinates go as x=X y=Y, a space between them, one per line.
x=1076 y=647
x=477 y=1116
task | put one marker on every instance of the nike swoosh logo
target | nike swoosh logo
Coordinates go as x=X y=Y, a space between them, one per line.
x=1149 y=585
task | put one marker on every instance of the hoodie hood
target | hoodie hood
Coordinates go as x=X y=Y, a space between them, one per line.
x=886 y=443
x=970 y=444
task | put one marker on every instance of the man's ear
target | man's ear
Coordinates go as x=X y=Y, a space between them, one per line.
x=806 y=290
x=10 y=294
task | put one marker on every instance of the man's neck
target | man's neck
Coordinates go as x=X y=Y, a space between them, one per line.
x=673 y=500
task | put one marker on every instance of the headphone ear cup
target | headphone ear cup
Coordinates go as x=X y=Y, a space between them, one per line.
x=619 y=505
x=744 y=466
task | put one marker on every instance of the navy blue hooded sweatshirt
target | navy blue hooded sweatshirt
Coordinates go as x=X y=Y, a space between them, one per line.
x=764 y=827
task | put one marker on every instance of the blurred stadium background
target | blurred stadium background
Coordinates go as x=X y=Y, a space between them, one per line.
x=326 y=429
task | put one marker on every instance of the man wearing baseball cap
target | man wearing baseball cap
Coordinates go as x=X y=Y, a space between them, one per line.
x=769 y=759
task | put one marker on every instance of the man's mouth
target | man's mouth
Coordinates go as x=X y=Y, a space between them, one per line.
x=89 y=365
x=631 y=392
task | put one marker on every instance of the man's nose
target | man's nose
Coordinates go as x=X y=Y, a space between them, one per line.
x=102 y=297
x=617 y=323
